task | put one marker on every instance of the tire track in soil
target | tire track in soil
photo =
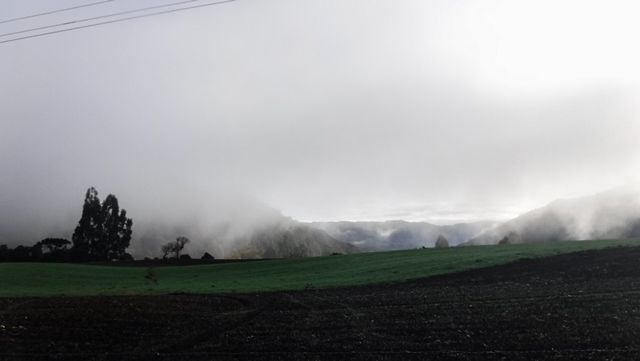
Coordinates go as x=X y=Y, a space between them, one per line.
x=209 y=334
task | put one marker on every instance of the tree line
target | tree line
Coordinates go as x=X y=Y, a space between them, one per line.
x=103 y=234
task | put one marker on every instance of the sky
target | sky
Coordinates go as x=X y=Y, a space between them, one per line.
x=441 y=111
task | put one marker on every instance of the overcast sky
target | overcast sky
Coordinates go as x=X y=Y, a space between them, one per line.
x=438 y=111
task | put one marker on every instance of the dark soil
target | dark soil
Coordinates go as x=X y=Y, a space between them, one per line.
x=580 y=306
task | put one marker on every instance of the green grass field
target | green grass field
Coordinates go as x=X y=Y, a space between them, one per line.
x=48 y=279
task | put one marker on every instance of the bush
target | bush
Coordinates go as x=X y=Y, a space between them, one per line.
x=207 y=257
x=511 y=238
x=442 y=242
x=126 y=257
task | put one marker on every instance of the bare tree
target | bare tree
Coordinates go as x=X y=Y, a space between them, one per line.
x=180 y=243
x=174 y=247
x=166 y=249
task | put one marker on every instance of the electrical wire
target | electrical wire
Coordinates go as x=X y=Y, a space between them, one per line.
x=119 y=20
x=98 y=17
x=54 y=11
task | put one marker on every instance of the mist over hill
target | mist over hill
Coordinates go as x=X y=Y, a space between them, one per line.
x=283 y=237
x=227 y=225
x=611 y=214
x=392 y=235
x=240 y=227
x=237 y=226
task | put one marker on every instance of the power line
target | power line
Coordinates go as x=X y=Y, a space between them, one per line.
x=118 y=20
x=98 y=17
x=55 y=11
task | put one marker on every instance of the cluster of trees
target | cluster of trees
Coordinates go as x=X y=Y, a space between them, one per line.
x=104 y=231
x=103 y=234
x=47 y=250
x=173 y=250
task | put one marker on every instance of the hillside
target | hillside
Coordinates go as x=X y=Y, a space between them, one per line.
x=395 y=235
x=291 y=239
x=47 y=279
x=614 y=214
x=273 y=238
x=237 y=227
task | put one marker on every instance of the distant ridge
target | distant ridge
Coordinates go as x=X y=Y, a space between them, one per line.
x=394 y=235
x=613 y=214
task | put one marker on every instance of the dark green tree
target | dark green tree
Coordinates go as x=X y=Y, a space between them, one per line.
x=442 y=242
x=104 y=231
x=87 y=233
x=116 y=229
x=54 y=244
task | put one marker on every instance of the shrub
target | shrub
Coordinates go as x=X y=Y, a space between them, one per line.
x=207 y=257
x=442 y=242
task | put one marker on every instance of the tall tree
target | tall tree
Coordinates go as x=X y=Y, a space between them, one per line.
x=89 y=228
x=116 y=229
x=104 y=231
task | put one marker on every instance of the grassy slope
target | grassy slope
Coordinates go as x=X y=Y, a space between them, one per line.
x=42 y=279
